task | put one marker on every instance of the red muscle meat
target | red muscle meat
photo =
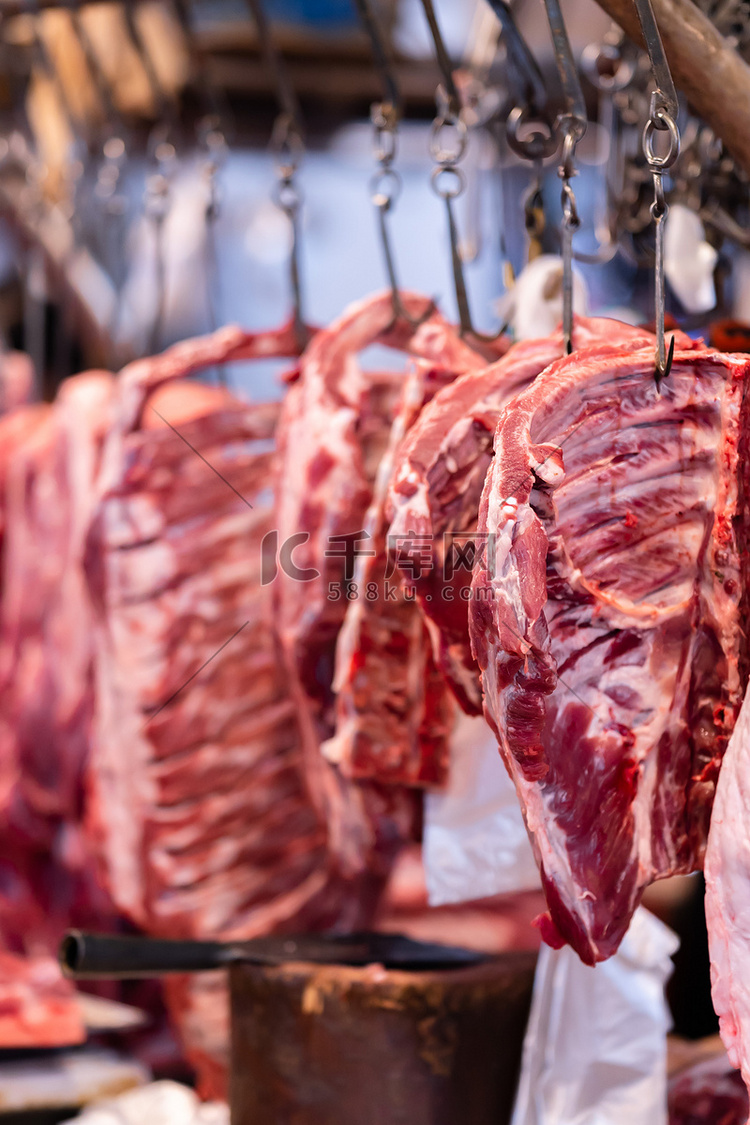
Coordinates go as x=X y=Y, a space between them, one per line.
x=393 y=714
x=199 y=792
x=437 y=484
x=48 y=881
x=708 y=1093
x=326 y=480
x=46 y=652
x=606 y=620
x=195 y=734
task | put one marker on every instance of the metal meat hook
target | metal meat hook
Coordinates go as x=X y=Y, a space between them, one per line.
x=288 y=144
x=572 y=124
x=453 y=184
x=448 y=181
x=386 y=183
x=662 y=118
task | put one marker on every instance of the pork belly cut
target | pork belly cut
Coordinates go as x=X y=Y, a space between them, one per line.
x=606 y=619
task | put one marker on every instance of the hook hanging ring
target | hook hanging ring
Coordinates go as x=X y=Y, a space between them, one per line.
x=606 y=67
x=384 y=117
x=440 y=153
x=385 y=186
x=567 y=163
x=448 y=182
x=287 y=145
x=661 y=121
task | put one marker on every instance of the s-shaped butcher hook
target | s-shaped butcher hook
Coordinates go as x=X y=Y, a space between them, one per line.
x=386 y=183
x=448 y=181
x=288 y=144
x=572 y=126
x=662 y=118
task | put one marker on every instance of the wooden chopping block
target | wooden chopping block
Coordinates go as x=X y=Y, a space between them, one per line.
x=334 y=1045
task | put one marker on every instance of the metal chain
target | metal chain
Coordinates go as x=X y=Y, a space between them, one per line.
x=448 y=140
x=385 y=188
x=661 y=120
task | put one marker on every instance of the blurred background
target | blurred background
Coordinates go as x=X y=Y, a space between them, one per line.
x=151 y=190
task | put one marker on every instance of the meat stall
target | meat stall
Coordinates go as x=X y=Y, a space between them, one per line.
x=374 y=562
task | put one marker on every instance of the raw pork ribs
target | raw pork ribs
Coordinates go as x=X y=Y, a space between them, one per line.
x=437 y=483
x=607 y=620
x=331 y=441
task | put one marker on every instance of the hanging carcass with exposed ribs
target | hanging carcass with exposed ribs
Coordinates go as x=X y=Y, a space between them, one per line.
x=607 y=619
x=173 y=561
x=49 y=455
x=195 y=736
x=329 y=455
x=436 y=485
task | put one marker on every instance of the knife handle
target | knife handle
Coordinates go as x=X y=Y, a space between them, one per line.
x=86 y=956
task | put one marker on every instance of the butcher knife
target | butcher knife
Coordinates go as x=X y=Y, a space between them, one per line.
x=86 y=956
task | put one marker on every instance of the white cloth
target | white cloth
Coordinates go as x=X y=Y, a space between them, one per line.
x=475 y=841
x=689 y=261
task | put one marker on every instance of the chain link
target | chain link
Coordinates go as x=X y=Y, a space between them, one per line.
x=447 y=125
x=385 y=187
x=448 y=182
x=660 y=122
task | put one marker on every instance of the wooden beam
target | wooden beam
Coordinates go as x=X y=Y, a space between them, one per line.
x=711 y=74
